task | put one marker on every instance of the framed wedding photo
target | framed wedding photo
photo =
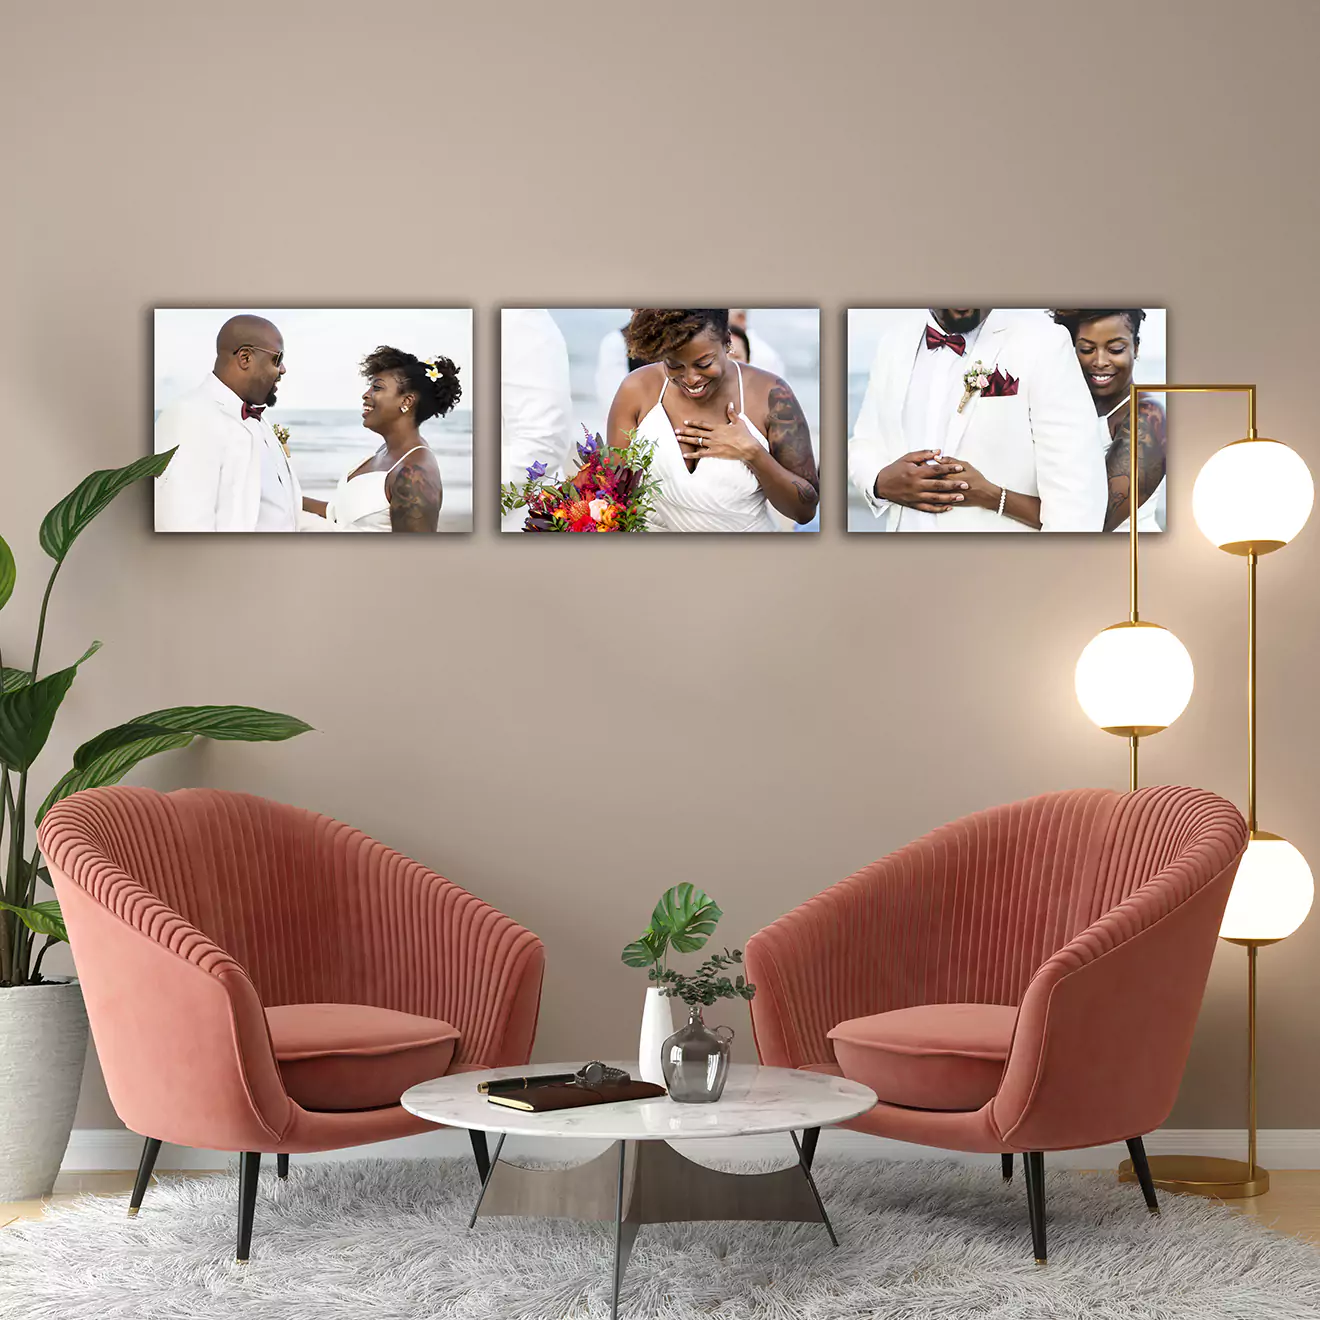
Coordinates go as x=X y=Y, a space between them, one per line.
x=668 y=419
x=979 y=419
x=313 y=419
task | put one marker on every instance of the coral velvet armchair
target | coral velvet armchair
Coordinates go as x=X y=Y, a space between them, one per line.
x=1026 y=979
x=263 y=979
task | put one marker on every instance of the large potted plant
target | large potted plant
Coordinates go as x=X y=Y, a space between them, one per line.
x=43 y=1025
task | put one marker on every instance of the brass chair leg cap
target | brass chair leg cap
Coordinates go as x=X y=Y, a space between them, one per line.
x=240 y=1260
x=132 y=1211
x=1040 y=1260
x=1154 y=1209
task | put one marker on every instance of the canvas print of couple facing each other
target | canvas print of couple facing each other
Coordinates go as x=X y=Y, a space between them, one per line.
x=973 y=419
x=347 y=430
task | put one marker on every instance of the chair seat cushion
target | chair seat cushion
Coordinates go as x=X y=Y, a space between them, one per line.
x=933 y=1056
x=335 y=1057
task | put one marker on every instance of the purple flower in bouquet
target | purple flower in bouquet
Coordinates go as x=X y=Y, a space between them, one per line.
x=536 y=471
x=588 y=448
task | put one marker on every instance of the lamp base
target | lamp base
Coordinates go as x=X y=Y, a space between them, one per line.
x=1202 y=1175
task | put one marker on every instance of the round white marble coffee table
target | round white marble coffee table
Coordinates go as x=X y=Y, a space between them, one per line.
x=641 y=1179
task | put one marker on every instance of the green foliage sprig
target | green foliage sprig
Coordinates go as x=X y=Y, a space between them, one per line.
x=706 y=985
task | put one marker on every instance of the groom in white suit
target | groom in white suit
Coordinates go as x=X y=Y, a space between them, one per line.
x=1020 y=454
x=229 y=473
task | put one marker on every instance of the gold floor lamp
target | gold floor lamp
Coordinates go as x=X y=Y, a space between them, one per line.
x=1252 y=497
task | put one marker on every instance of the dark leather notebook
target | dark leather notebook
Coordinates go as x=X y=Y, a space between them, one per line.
x=572 y=1095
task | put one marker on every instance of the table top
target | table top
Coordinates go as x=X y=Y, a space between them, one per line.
x=755 y=1100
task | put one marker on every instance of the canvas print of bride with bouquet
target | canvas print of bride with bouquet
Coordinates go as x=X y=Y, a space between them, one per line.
x=669 y=419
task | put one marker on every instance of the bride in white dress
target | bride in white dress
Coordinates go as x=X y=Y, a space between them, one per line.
x=732 y=445
x=1107 y=341
x=399 y=488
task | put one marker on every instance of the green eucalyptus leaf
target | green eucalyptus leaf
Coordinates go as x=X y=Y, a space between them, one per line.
x=111 y=767
x=687 y=916
x=8 y=572
x=68 y=519
x=28 y=711
x=41 y=918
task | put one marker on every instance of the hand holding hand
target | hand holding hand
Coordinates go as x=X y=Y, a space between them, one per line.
x=981 y=494
x=921 y=480
x=730 y=439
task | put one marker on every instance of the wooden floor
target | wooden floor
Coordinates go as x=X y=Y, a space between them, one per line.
x=1292 y=1205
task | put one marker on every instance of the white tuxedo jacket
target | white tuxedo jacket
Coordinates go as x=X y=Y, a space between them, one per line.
x=213 y=482
x=1039 y=441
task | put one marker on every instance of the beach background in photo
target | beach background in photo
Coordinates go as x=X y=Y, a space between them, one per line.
x=320 y=395
x=866 y=327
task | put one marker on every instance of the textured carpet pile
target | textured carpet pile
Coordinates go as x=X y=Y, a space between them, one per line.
x=388 y=1240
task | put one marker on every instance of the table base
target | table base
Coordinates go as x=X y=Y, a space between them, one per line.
x=648 y=1182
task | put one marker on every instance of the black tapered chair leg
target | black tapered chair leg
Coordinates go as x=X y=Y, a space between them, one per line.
x=150 y=1149
x=282 y=1166
x=1033 y=1163
x=480 y=1153
x=1141 y=1167
x=249 y=1168
x=810 y=1136
x=1006 y=1167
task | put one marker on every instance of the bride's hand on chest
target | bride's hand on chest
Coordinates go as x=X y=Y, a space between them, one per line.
x=727 y=439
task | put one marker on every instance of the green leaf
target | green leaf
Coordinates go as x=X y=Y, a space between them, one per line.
x=42 y=918
x=687 y=916
x=111 y=767
x=13 y=679
x=647 y=951
x=120 y=736
x=27 y=713
x=8 y=572
x=62 y=526
x=227 y=723
x=223 y=723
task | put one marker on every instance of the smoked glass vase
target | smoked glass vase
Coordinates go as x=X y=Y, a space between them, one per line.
x=695 y=1061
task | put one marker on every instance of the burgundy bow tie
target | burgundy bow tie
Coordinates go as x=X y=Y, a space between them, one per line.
x=250 y=411
x=934 y=339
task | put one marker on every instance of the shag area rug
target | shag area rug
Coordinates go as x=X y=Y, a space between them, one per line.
x=388 y=1240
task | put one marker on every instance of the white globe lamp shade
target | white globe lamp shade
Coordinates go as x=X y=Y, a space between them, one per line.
x=1253 y=495
x=1134 y=679
x=1271 y=894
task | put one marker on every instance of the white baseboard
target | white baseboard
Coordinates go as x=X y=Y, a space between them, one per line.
x=92 y=1149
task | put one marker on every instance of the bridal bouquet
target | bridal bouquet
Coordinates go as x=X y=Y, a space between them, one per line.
x=613 y=491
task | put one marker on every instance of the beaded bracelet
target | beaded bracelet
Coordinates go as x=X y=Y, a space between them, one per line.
x=1003 y=495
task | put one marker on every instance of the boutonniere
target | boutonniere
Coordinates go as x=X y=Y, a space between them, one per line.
x=974 y=381
x=282 y=435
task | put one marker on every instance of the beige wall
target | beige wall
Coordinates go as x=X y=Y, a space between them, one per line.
x=805 y=703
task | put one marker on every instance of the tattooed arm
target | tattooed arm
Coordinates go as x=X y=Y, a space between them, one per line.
x=788 y=472
x=1150 y=459
x=415 y=494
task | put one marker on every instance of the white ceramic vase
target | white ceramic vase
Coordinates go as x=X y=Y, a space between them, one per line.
x=43 y=1046
x=657 y=1027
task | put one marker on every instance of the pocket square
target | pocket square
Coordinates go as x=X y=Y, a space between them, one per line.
x=1001 y=385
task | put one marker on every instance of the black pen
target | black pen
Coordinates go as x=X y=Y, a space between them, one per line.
x=501 y=1084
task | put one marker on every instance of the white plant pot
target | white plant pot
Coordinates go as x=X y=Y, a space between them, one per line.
x=43 y=1046
x=657 y=1027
